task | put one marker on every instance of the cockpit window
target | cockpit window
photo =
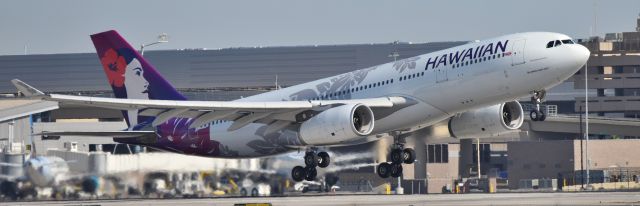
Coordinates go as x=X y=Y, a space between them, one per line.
x=567 y=41
x=550 y=44
x=556 y=43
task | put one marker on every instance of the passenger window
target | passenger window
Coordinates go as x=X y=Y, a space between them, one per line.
x=557 y=43
x=550 y=44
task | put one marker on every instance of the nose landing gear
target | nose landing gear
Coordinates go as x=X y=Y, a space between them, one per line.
x=536 y=114
x=311 y=161
x=398 y=156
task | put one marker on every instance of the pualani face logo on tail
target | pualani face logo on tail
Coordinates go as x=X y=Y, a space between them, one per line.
x=126 y=76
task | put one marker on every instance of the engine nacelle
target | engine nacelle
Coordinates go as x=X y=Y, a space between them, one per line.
x=490 y=121
x=337 y=125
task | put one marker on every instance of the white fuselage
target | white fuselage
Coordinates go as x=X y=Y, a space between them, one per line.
x=498 y=70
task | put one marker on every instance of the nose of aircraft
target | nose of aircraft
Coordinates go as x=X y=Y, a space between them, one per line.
x=580 y=54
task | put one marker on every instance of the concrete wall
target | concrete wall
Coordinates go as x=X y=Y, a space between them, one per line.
x=84 y=162
x=605 y=154
x=442 y=174
x=532 y=160
x=547 y=159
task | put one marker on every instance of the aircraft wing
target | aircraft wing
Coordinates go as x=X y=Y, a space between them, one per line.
x=278 y=114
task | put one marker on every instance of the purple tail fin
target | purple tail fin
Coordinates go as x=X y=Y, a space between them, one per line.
x=129 y=74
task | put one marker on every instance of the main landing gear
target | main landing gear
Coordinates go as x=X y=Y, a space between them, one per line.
x=536 y=99
x=311 y=161
x=398 y=156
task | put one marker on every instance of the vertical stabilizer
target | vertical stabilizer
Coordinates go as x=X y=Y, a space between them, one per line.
x=130 y=75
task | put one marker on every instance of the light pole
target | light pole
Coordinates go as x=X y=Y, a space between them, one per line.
x=395 y=55
x=162 y=38
x=586 y=119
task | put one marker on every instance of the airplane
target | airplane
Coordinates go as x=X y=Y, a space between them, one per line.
x=473 y=88
x=41 y=172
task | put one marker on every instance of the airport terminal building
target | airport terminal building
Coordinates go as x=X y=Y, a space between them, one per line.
x=231 y=73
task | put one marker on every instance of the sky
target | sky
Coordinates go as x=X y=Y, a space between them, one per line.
x=64 y=26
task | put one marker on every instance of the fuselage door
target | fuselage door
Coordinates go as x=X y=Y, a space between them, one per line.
x=441 y=75
x=517 y=49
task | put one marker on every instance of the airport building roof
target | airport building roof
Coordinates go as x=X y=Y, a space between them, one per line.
x=13 y=109
x=220 y=68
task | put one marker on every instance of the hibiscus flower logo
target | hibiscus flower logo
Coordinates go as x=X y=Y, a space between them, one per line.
x=114 y=66
x=409 y=63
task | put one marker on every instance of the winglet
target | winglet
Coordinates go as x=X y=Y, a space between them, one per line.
x=25 y=89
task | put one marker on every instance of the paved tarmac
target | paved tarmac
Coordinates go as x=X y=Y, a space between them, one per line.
x=586 y=198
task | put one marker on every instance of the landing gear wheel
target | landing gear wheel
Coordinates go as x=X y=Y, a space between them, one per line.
x=535 y=115
x=536 y=99
x=311 y=159
x=383 y=170
x=311 y=173
x=408 y=156
x=324 y=159
x=396 y=156
x=298 y=173
x=396 y=170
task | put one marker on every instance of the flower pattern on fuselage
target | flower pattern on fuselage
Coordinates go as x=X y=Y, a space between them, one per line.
x=339 y=83
x=176 y=135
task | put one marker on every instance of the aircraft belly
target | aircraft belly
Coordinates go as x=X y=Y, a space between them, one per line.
x=250 y=141
x=418 y=115
x=215 y=141
x=480 y=89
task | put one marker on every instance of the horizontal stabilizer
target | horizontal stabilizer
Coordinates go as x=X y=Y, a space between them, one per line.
x=113 y=134
x=26 y=89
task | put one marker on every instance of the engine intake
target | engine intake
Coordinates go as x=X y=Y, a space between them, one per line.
x=338 y=125
x=486 y=122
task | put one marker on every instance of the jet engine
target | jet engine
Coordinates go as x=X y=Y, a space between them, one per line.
x=337 y=125
x=486 y=122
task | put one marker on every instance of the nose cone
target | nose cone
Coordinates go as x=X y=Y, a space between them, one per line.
x=581 y=54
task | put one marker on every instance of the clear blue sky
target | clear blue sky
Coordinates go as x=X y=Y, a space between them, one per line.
x=63 y=26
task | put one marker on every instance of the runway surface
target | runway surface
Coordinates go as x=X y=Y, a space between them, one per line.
x=588 y=198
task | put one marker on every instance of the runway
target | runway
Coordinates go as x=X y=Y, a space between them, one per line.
x=585 y=198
